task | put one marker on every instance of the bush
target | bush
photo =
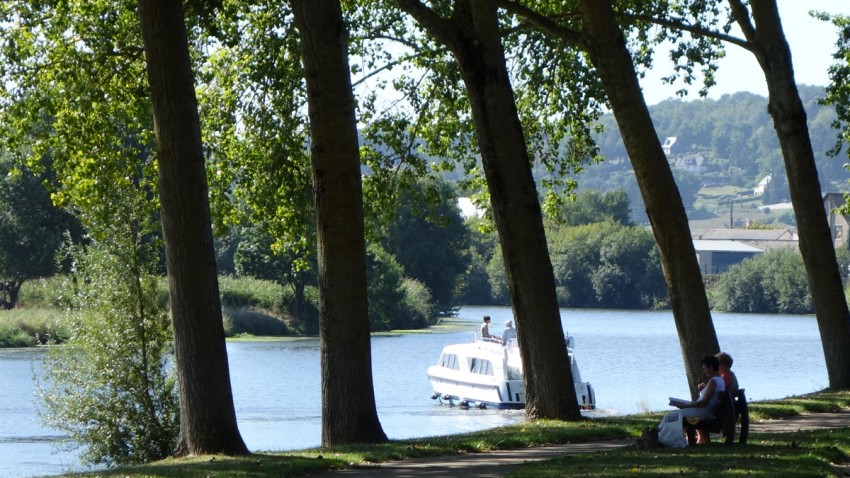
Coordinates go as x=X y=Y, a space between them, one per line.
x=250 y=292
x=418 y=305
x=773 y=283
x=46 y=292
x=30 y=327
x=244 y=320
x=110 y=390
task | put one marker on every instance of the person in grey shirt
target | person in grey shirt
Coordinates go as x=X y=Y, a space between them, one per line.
x=509 y=332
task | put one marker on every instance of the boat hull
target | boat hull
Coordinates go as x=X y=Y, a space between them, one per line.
x=487 y=375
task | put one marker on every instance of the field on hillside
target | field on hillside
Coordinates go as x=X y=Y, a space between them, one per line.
x=718 y=207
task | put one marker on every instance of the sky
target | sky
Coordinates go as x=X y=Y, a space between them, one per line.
x=812 y=43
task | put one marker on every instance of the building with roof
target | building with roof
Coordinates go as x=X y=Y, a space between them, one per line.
x=716 y=256
x=763 y=239
x=838 y=223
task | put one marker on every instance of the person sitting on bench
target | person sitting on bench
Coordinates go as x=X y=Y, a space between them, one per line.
x=729 y=378
x=709 y=396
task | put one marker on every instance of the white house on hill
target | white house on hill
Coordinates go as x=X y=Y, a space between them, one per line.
x=762 y=185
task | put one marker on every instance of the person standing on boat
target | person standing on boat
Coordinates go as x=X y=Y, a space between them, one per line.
x=509 y=332
x=485 y=329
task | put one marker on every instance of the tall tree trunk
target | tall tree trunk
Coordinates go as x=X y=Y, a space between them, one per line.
x=606 y=46
x=207 y=416
x=473 y=37
x=768 y=43
x=349 y=414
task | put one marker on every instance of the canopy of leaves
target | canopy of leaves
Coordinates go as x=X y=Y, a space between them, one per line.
x=31 y=227
x=425 y=216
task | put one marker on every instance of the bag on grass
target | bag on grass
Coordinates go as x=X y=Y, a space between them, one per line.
x=671 y=431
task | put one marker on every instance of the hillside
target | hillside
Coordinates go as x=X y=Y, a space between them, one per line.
x=723 y=148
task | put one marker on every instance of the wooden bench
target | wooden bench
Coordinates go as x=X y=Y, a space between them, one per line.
x=726 y=416
x=742 y=411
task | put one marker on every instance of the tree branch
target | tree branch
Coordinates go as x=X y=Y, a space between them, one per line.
x=544 y=23
x=742 y=17
x=436 y=25
x=680 y=24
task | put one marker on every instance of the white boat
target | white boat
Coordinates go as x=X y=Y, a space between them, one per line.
x=487 y=374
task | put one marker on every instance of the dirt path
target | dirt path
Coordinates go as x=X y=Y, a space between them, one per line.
x=499 y=463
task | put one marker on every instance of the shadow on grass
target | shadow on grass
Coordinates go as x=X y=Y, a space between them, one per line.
x=801 y=454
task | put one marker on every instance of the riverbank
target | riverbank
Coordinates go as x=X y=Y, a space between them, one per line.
x=788 y=449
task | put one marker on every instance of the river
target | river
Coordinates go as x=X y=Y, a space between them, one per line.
x=632 y=359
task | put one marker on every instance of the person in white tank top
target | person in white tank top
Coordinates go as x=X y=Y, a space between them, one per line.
x=709 y=396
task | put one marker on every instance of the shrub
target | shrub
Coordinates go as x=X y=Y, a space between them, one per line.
x=774 y=282
x=110 y=390
x=244 y=320
x=247 y=291
x=55 y=291
x=418 y=305
x=29 y=327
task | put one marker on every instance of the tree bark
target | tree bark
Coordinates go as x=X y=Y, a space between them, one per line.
x=349 y=414
x=768 y=43
x=207 y=415
x=605 y=43
x=473 y=36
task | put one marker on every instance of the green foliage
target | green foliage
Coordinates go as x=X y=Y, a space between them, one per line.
x=474 y=286
x=838 y=90
x=385 y=288
x=110 y=389
x=736 y=137
x=606 y=265
x=426 y=216
x=31 y=229
x=395 y=302
x=772 y=283
x=47 y=292
x=30 y=327
x=592 y=206
x=498 y=279
x=418 y=304
x=248 y=291
x=248 y=321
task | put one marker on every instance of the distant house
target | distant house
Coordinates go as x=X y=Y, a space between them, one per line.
x=691 y=162
x=838 y=223
x=763 y=239
x=762 y=185
x=668 y=145
x=716 y=256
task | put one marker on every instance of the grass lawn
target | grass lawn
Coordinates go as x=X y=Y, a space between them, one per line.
x=790 y=454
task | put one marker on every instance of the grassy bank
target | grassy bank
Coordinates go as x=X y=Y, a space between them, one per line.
x=791 y=454
x=250 y=307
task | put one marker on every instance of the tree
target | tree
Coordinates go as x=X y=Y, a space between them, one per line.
x=414 y=230
x=31 y=229
x=604 y=42
x=207 y=415
x=110 y=387
x=606 y=265
x=766 y=40
x=772 y=283
x=349 y=414
x=592 y=206
x=471 y=33
x=257 y=256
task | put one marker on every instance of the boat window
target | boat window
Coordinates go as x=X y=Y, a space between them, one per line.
x=449 y=361
x=480 y=366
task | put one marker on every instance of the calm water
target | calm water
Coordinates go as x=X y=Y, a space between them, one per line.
x=631 y=358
